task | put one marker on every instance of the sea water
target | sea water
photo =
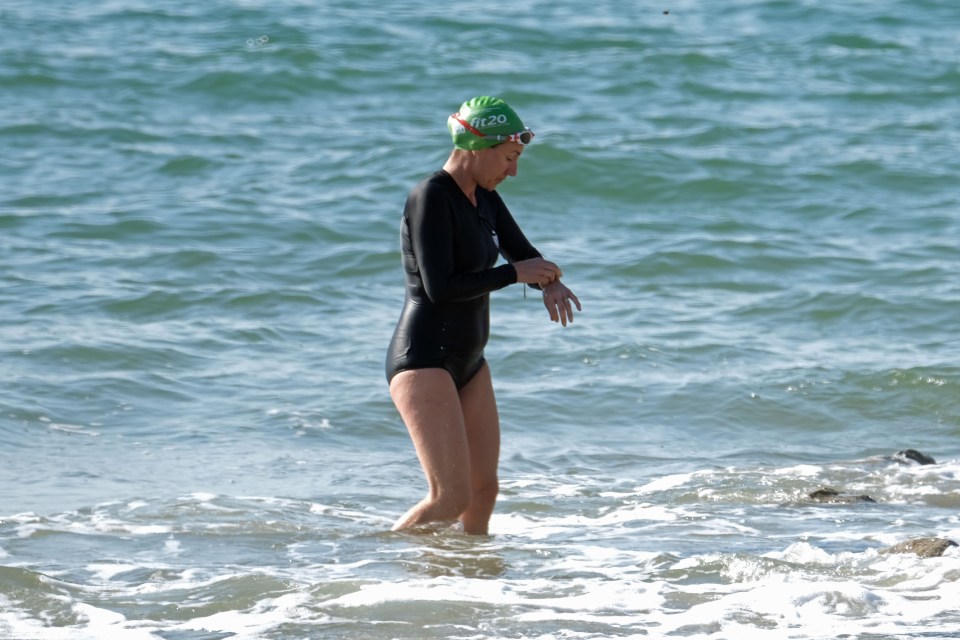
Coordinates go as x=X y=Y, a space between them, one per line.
x=756 y=202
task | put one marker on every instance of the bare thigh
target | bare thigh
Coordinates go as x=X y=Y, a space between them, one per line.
x=482 y=423
x=430 y=406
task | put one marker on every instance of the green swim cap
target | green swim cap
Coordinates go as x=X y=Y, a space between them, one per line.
x=485 y=116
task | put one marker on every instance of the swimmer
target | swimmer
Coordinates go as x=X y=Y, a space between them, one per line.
x=454 y=226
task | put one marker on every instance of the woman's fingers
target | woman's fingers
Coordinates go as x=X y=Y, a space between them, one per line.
x=560 y=302
x=548 y=273
x=537 y=271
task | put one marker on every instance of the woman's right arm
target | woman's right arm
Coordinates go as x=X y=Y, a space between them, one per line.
x=429 y=220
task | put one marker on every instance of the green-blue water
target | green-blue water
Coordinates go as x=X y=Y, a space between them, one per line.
x=756 y=201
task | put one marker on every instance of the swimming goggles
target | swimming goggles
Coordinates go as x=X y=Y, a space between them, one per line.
x=523 y=137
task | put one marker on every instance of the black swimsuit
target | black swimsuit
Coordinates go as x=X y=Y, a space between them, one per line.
x=449 y=251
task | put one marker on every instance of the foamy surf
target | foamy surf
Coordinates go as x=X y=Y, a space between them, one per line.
x=715 y=553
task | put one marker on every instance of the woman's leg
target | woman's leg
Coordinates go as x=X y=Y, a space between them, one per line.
x=430 y=406
x=483 y=438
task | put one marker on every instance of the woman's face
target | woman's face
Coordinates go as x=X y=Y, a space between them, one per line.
x=497 y=164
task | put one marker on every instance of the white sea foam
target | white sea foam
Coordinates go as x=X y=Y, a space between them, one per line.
x=96 y=623
x=667 y=482
x=106 y=571
x=613 y=563
x=256 y=622
x=800 y=471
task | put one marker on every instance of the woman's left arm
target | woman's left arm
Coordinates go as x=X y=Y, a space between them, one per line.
x=557 y=297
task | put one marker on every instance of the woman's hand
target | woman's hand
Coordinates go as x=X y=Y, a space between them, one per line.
x=537 y=271
x=557 y=298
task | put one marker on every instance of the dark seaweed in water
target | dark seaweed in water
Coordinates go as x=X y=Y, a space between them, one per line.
x=834 y=496
x=912 y=454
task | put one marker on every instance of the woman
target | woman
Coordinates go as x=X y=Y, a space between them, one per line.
x=454 y=225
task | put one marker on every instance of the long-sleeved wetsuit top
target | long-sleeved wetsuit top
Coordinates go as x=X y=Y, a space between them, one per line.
x=449 y=251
